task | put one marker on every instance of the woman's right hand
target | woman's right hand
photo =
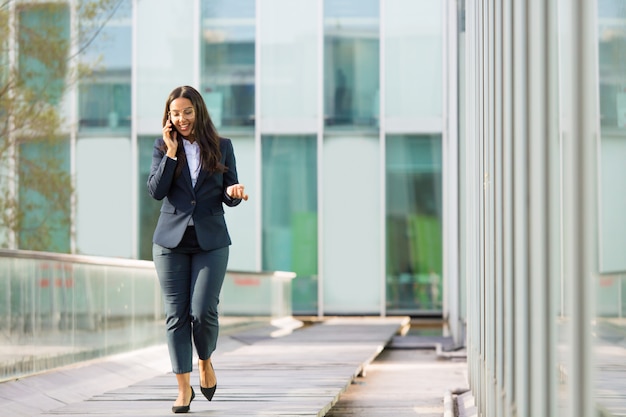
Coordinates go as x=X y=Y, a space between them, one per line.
x=170 y=136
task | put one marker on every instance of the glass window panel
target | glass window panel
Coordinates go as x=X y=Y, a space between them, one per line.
x=289 y=172
x=148 y=206
x=612 y=94
x=612 y=172
x=165 y=57
x=353 y=243
x=413 y=59
x=351 y=63
x=227 y=60
x=105 y=105
x=104 y=98
x=609 y=326
x=243 y=218
x=44 y=197
x=612 y=63
x=104 y=228
x=43 y=49
x=414 y=229
x=289 y=69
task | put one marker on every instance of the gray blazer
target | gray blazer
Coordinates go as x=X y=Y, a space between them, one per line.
x=181 y=201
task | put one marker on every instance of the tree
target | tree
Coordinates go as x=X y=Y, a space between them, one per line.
x=40 y=51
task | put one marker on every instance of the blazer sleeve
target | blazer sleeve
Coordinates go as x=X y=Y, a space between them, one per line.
x=230 y=176
x=161 y=172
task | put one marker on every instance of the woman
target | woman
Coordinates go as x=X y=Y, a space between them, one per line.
x=194 y=173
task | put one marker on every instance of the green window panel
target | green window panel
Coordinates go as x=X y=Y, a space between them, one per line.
x=43 y=49
x=290 y=213
x=44 y=196
x=227 y=61
x=414 y=223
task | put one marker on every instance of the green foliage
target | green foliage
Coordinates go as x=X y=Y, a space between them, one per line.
x=43 y=217
x=40 y=61
x=43 y=45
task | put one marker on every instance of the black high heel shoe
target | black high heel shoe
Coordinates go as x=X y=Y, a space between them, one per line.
x=209 y=392
x=176 y=409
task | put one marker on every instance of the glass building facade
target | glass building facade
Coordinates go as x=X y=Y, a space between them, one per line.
x=336 y=111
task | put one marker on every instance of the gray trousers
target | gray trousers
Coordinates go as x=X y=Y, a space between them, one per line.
x=191 y=280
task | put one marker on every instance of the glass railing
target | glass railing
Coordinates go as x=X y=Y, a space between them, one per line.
x=609 y=344
x=58 y=309
x=262 y=294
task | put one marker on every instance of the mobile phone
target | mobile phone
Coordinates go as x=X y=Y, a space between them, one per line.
x=172 y=127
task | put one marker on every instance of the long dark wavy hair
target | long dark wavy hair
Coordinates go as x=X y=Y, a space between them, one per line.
x=203 y=130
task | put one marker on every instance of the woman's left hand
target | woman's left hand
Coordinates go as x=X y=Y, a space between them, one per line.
x=237 y=191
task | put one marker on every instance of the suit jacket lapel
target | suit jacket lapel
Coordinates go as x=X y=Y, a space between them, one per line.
x=201 y=175
x=187 y=176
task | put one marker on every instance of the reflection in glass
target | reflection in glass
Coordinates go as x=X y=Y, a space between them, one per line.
x=610 y=289
x=290 y=214
x=289 y=70
x=228 y=60
x=351 y=62
x=104 y=99
x=105 y=103
x=612 y=63
x=414 y=215
x=612 y=169
x=413 y=60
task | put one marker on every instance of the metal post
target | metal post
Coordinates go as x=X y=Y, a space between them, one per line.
x=520 y=221
x=579 y=204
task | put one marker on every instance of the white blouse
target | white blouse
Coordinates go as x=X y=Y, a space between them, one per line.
x=192 y=150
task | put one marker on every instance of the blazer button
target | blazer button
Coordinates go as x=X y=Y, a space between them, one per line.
x=193 y=202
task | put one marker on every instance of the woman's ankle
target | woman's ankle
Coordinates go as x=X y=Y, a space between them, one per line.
x=207 y=373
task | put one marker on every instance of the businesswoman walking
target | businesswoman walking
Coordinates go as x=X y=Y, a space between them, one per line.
x=194 y=173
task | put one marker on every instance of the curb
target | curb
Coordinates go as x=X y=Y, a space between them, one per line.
x=448 y=404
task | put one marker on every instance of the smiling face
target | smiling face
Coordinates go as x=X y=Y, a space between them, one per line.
x=182 y=115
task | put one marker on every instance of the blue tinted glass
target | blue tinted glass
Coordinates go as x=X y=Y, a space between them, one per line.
x=43 y=49
x=44 y=199
x=351 y=63
x=351 y=8
x=612 y=170
x=104 y=99
x=225 y=9
x=611 y=9
x=290 y=214
x=228 y=60
x=612 y=63
x=148 y=206
x=105 y=105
